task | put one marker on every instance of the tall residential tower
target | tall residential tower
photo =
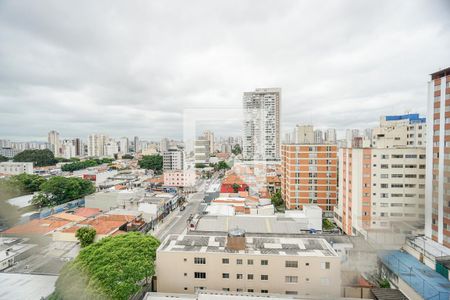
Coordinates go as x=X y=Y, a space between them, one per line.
x=437 y=209
x=262 y=124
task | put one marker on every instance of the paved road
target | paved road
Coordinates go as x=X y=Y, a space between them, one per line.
x=176 y=222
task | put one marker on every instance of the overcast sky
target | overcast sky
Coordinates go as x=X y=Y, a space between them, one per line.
x=128 y=68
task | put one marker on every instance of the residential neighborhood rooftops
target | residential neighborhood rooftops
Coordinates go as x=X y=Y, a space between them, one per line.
x=254 y=245
x=38 y=226
x=104 y=224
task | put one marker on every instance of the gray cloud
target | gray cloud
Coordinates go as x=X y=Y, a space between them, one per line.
x=132 y=68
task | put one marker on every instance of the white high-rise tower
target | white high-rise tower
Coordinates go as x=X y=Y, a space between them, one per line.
x=262 y=124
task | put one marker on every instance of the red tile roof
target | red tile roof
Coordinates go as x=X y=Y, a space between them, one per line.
x=39 y=226
x=104 y=224
x=87 y=212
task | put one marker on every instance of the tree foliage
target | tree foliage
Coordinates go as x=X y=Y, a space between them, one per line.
x=236 y=187
x=86 y=235
x=3 y=158
x=127 y=156
x=221 y=165
x=12 y=187
x=200 y=165
x=111 y=268
x=40 y=158
x=276 y=199
x=58 y=190
x=79 y=165
x=27 y=183
x=327 y=224
x=236 y=149
x=152 y=162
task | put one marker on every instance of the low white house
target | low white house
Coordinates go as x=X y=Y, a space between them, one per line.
x=16 y=168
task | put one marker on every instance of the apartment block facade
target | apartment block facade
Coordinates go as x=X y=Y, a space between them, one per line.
x=262 y=124
x=294 y=266
x=173 y=160
x=309 y=176
x=378 y=186
x=437 y=222
x=179 y=178
x=16 y=168
x=400 y=131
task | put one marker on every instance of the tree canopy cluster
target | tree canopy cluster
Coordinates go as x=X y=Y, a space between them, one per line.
x=58 y=190
x=86 y=235
x=111 y=268
x=79 y=165
x=152 y=162
x=236 y=149
x=3 y=158
x=16 y=186
x=40 y=158
x=276 y=199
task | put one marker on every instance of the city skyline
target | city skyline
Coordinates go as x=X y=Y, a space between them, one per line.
x=142 y=87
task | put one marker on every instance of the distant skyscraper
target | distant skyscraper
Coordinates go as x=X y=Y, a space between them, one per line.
x=78 y=147
x=96 y=145
x=437 y=204
x=164 y=145
x=330 y=136
x=209 y=135
x=304 y=134
x=262 y=124
x=124 y=145
x=318 y=136
x=53 y=140
x=137 y=145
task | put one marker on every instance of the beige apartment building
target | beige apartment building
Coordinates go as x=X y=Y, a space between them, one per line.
x=236 y=263
x=309 y=176
x=378 y=187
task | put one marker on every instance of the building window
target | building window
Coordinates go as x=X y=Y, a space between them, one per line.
x=239 y=276
x=306 y=264
x=325 y=265
x=226 y=289
x=291 y=279
x=225 y=261
x=291 y=264
x=264 y=262
x=239 y=261
x=225 y=275
x=291 y=293
x=199 y=260
x=249 y=276
x=264 y=291
x=264 y=277
x=250 y=290
x=200 y=275
x=249 y=261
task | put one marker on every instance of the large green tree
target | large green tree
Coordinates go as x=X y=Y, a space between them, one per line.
x=40 y=158
x=86 y=235
x=111 y=268
x=276 y=199
x=27 y=183
x=3 y=158
x=152 y=162
x=236 y=149
x=58 y=190
x=15 y=186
